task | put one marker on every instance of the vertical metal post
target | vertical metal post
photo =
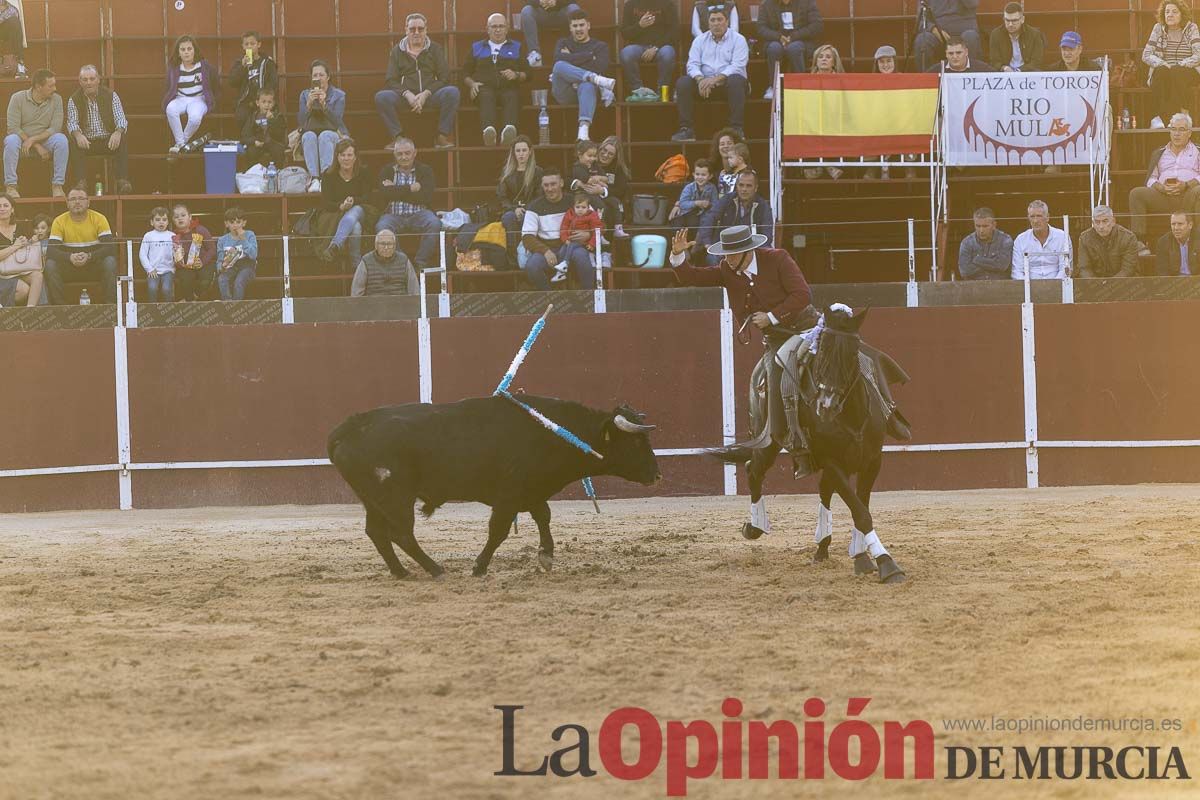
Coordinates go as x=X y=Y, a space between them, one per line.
x=444 y=277
x=289 y=312
x=728 y=397
x=121 y=379
x=599 y=299
x=913 y=294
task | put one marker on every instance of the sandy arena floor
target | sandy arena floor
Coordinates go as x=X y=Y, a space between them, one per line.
x=230 y=653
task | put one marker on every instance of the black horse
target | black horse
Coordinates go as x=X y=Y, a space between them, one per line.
x=847 y=419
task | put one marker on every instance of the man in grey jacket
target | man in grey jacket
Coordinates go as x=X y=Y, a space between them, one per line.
x=937 y=21
x=987 y=253
x=418 y=76
x=384 y=270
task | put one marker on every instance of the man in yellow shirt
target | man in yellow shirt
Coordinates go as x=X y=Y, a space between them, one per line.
x=82 y=247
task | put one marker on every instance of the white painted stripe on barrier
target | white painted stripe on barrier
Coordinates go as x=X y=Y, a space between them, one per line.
x=261 y=463
x=424 y=360
x=1029 y=370
x=1115 y=443
x=124 y=446
x=728 y=396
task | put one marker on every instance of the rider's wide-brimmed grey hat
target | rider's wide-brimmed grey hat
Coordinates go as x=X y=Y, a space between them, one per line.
x=737 y=239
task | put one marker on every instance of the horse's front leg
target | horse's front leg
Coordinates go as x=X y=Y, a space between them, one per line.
x=824 y=532
x=889 y=570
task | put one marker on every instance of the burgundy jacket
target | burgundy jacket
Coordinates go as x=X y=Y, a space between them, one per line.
x=779 y=287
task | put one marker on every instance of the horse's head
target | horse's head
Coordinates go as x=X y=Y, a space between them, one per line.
x=835 y=369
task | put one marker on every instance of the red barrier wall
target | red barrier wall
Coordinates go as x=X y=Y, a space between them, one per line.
x=1105 y=371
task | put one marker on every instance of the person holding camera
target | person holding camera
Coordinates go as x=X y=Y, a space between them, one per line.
x=937 y=21
x=320 y=118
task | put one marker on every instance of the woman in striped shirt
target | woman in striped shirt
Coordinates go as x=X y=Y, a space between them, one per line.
x=1173 y=55
x=191 y=87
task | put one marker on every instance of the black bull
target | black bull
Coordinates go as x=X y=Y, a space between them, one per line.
x=486 y=450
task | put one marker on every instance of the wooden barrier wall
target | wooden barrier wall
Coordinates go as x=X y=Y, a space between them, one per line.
x=252 y=393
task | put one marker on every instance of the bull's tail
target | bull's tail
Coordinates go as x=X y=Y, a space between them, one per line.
x=740 y=452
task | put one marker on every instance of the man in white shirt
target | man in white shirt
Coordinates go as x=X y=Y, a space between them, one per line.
x=1048 y=248
x=716 y=63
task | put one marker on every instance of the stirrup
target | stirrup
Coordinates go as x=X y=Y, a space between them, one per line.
x=802 y=463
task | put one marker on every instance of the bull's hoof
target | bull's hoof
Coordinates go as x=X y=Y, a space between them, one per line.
x=438 y=576
x=822 y=553
x=889 y=571
x=480 y=570
x=863 y=565
x=399 y=575
x=750 y=532
x=546 y=561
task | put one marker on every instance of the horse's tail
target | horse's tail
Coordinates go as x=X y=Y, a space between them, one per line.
x=740 y=452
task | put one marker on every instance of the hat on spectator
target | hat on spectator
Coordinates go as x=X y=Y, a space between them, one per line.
x=1071 y=39
x=886 y=51
x=738 y=239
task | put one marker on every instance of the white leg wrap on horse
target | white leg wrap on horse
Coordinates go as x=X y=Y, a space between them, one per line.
x=824 y=523
x=758 y=515
x=858 y=543
x=874 y=546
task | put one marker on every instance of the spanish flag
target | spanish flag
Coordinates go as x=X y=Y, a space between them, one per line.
x=858 y=115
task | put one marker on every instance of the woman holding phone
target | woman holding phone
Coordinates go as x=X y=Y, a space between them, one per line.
x=321 y=121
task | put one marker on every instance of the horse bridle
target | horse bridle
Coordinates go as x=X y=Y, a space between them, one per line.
x=839 y=398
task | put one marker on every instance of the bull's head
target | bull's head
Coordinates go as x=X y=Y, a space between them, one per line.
x=627 y=450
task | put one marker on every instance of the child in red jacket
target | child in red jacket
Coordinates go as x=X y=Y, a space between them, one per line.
x=580 y=217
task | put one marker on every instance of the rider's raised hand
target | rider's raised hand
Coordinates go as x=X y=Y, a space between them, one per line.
x=680 y=243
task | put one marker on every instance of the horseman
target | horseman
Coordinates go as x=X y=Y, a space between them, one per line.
x=768 y=290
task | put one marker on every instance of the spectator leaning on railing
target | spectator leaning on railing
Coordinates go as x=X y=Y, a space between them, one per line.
x=650 y=31
x=35 y=128
x=1172 y=179
x=1178 y=252
x=578 y=73
x=493 y=73
x=97 y=126
x=791 y=27
x=385 y=270
x=1015 y=46
x=320 y=118
x=1173 y=55
x=81 y=246
x=716 y=66
x=1107 y=250
x=418 y=75
x=986 y=254
x=407 y=187
x=940 y=20
x=1048 y=247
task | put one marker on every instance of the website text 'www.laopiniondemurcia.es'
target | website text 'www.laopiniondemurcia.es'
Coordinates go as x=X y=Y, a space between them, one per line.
x=817 y=748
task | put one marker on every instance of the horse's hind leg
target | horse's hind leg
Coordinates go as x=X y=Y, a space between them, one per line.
x=824 y=532
x=756 y=473
x=868 y=543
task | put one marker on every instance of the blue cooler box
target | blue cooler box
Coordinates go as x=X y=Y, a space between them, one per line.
x=649 y=251
x=220 y=167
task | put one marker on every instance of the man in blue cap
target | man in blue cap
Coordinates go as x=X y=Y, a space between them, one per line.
x=1071 y=48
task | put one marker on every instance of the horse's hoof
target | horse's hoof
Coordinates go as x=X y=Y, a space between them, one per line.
x=863 y=564
x=750 y=532
x=822 y=553
x=889 y=571
x=546 y=561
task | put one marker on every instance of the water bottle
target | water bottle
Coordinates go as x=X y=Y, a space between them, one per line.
x=272 y=182
x=1126 y=119
x=84 y=300
x=544 y=126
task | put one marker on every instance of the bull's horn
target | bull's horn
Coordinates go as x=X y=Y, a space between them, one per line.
x=632 y=427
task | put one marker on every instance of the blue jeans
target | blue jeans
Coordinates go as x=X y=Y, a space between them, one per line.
x=56 y=144
x=391 y=104
x=631 y=59
x=797 y=53
x=161 y=287
x=570 y=86
x=534 y=15
x=579 y=264
x=318 y=150
x=930 y=50
x=349 y=233
x=424 y=223
x=233 y=281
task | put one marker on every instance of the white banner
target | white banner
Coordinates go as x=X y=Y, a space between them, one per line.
x=1025 y=118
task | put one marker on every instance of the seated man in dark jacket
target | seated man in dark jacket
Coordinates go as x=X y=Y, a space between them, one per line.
x=745 y=206
x=959 y=59
x=1070 y=48
x=418 y=77
x=1107 y=250
x=788 y=26
x=493 y=74
x=1015 y=46
x=938 y=21
x=1178 y=252
x=650 y=31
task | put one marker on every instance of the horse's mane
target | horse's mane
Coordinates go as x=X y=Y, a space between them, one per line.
x=836 y=363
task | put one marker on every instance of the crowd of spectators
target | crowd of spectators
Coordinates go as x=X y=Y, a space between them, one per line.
x=540 y=209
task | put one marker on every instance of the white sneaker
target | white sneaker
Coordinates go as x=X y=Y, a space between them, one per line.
x=607 y=96
x=489 y=136
x=583 y=132
x=769 y=94
x=560 y=274
x=603 y=82
x=606 y=260
x=834 y=172
x=314 y=186
x=1156 y=123
x=534 y=59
